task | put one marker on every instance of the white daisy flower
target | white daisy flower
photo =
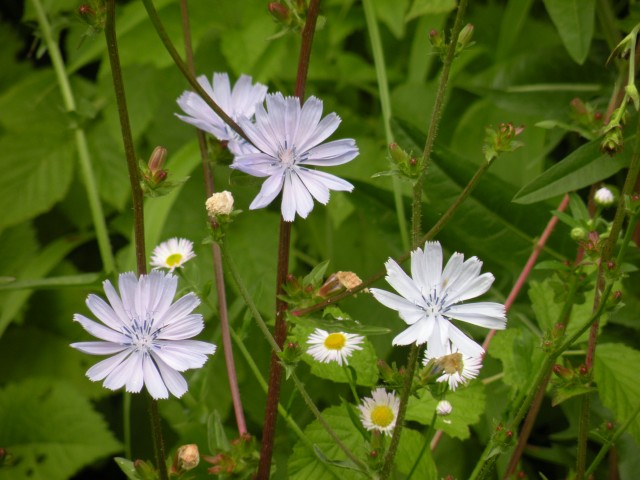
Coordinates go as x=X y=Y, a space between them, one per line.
x=172 y=254
x=289 y=138
x=146 y=334
x=444 y=408
x=380 y=412
x=238 y=102
x=430 y=299
x=457 y=368
x=333 y=347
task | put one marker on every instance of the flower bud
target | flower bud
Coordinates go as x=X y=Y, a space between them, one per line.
x=613 y=141
x=220 y=203
x=578 y=233
x=464 y=38
x=187 y=458
x=157 y=160
x=280 y=13
x=604 y=197
x=443 y=408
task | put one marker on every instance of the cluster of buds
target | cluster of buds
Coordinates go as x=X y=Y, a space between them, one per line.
x=291 y=354
x=570 y=382
x=501 y=139
x=391 y=375
x=553 y=337
x=240 y=459
x=153 y=176
x=220 y=211
x=440 y=45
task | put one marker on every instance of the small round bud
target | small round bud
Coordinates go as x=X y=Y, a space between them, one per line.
x=187 y=457
x=583 y=370
x=604 y=197
x=373 y=454
x=509 y=434
x=578 y=233
x=220 y=203
x=443 y=408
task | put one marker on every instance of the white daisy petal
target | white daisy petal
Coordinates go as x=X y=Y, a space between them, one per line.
x=148 y=322
x=429 y=300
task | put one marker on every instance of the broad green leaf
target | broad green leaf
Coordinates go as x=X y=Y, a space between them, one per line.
x=579 y=169
x=363 y=361
x=128 y=468
x=51 y=430
x=468 y=405
x=411 y=444
x=244 y=46
x=304 y=463
x=574 y=20
x=519 y=353
x=616 y=374
x=515 y=15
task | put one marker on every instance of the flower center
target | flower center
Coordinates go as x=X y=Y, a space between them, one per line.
x=335 y=341
x=141 y=334
x=452 y=363
x=287 y=157
x=434 y=303
x=174 y=259
x=382 y=416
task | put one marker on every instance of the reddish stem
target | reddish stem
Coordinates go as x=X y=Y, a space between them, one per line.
x=280 y=333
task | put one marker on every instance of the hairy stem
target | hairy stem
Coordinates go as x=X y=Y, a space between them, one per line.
x=84 y=157
x=215 y=250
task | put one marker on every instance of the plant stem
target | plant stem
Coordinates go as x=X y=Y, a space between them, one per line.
x=442 y=221
x=127 y=138
x=215 y=250
x=184 y=69
x=385 y=104
x=244 y=293
x=284 y=246
x=84 y=157
x=607 y=445
x=528 y=267
x=425 y=445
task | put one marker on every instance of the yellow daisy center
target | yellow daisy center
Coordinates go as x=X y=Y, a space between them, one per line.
x=174 y=259
x=382 y=416
x=335 y=341
x=452 y=363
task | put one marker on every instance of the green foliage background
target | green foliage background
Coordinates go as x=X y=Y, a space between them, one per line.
x=529 y=60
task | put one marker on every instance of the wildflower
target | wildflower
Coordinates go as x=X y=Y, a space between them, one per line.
x=220 y=203
x=172 y=254
x=146 y=333
x=289 y=138
x=457 y=368
x=333 y=347
x=604 y=197
x=380 y=412
x=429 y=300
x=443 y=408
x=239 y=102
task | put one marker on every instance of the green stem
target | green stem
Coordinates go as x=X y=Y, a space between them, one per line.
x=605 y=448
x=244 y=293
x=402 y=410
x=158 y=442
x=126 y=424
x=352 y=383
x=184 y=69
x=425 y=445
x=385 y=104
x=84 y=157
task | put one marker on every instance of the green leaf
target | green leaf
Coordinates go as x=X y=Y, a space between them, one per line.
x=128 y=468
x=616 y=374
x=51 y=430
x=574 y=20
x=468 y=405
x=429 y=7
x=363 y=361
x=518 y=351
x=304 y=464
x=392 y=15
x=82 y=279
x=580 y=168
x=411 y=443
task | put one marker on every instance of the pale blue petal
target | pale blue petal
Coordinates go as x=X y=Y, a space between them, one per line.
x=99 y=348
x=332 y=153
x=268 y=192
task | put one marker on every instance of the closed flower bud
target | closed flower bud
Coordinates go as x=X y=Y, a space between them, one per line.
x=220 y=203
x=280 y=13
x=466 y=33
x=187 y=458
x=578 y=233
x=443 y=408
x=157 y=159
x=604 y=197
